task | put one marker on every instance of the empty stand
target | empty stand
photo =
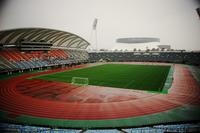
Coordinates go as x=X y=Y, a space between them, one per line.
x=13 y=59
x=173 y=57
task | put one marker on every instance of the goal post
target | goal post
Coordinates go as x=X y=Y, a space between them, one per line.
x=80 y=81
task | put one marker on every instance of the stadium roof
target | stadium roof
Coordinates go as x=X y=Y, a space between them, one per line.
x=137 y=40
x=55 y=37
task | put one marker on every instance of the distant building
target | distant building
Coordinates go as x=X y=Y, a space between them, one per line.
x=167 y=47
x=137 y=43
x=138 y=46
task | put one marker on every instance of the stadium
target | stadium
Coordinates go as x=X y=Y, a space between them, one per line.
x=54 y=80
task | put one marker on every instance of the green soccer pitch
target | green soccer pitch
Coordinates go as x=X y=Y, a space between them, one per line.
x=129 y=76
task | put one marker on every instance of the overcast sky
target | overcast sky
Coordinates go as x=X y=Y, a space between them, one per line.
x=175 y=22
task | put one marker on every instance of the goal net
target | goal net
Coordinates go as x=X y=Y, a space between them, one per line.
x=80 y=81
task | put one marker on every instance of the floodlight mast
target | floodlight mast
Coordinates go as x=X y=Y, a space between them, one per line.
x=93 y=36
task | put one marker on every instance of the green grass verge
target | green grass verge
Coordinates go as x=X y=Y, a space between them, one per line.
x=141 y=77
x=179 y=114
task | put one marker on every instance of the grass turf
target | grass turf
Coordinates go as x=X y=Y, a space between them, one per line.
x=141 y=77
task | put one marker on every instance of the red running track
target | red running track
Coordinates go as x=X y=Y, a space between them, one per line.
x=39 y=98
